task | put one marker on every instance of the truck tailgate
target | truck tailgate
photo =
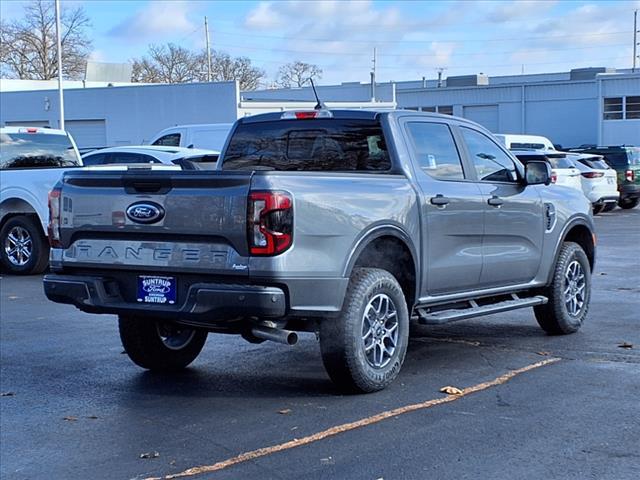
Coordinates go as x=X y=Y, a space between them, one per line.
x=156 y=220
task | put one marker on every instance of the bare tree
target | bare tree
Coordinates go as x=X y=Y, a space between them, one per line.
x=226 y=68
x=297 y=74
x=28 y=46
x=174 y=64
x=166 y=64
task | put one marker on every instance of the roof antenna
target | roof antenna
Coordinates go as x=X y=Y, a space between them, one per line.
x=319 y=105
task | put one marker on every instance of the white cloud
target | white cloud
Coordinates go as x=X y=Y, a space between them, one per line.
x=156 y=20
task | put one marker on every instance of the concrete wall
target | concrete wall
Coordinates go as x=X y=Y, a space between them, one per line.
x=131 y=115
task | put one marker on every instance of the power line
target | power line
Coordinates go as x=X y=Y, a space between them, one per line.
x=412 y=55
x=333 y=40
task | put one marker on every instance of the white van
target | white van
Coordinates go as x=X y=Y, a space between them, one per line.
x=520 y=142
x=207 y=136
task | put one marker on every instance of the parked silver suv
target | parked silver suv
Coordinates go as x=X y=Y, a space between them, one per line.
x=345 y=223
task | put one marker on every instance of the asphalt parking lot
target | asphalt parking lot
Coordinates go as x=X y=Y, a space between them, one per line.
x=74 y=407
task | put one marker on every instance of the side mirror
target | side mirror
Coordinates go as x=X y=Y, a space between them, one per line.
x=537 y=172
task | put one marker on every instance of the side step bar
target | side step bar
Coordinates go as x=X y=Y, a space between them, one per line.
x=474 y=310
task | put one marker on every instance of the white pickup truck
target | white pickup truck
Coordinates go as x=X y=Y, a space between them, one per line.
x=32 y=160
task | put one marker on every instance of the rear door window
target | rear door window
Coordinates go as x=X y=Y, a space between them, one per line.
x=355 y=145
x=129 y=157
x=33 y=150
x=96 y=159
x=436 y=150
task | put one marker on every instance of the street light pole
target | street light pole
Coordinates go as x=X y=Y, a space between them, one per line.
x=635 y=39
x=59 y=47
x=206 y=31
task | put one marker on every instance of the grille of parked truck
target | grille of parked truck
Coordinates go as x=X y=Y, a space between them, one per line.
x=350 y=224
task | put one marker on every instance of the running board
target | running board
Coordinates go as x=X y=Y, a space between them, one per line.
x=475 y=310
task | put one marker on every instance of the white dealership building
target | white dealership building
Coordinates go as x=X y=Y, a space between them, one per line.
x=583 y=106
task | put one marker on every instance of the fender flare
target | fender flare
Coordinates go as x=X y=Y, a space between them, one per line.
x=574 y=222
x=375 y=232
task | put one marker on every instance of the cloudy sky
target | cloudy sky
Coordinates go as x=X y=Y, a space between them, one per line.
x=413 y=39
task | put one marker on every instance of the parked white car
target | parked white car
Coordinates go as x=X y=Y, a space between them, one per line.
x=519 y=142
x=563 y=170
x=32 y=160
x=210 y=136
x=599 y=181
x=187 y=158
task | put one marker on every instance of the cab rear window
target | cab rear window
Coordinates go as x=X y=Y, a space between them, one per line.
x=34 y=150
x=309 y=145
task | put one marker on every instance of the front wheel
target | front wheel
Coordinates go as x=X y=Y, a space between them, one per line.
x=568 y=294
x=160 y=345
x=364 y=347
x=628 y=203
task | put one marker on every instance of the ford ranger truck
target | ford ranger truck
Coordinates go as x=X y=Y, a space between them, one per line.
x=349 y=224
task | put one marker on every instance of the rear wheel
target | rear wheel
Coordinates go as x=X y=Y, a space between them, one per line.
x=23 y=247
x=628 y=203
x=597 y=209
x=160 y=345
x=364 y=347
x=568 y=294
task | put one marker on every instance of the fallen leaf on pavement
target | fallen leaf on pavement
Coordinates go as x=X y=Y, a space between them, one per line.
x=543 y=353
x=449 y=390
x=7 y=394
x=70 y=419
x=149 y=455
x=626 y=345
x=285 y=411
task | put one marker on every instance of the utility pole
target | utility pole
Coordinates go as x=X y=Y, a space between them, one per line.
x=373 y=77
x=206 y=33
x=59 y=46
x=635 y=39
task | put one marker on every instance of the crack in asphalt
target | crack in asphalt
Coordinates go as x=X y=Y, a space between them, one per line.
x=297 y=442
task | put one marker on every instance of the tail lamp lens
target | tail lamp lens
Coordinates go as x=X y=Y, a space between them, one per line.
x=630 y=175
x=592 y=174
x=269 y=222
x=554 y=177
x=54 y=218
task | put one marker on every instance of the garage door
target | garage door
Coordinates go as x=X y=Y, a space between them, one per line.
x=87 y=133
x=485 y=115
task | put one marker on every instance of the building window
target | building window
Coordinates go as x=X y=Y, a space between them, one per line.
x=632 y=108
x=612 y=108
x=445 y=109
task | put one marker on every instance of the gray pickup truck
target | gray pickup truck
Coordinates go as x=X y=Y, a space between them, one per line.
x=349 y=224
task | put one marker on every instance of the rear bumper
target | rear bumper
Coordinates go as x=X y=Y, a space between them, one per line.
x=205 y=303
x=606 y=199
x=629 y=190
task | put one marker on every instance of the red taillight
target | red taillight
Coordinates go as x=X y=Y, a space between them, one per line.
x=269 y=222
x=32 y=130
x=54 y=218
x=304 y=115
x=630 y=176
x=592 y=174
x=554 y=177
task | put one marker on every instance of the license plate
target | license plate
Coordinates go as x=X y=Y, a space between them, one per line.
x=155 y=289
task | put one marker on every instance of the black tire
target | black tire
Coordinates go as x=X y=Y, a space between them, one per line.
x=597 y=209
x=32 y=241
x=341 y=338
x=608 y=207
x=141 y=338
x=555 y=317
x=628 y=203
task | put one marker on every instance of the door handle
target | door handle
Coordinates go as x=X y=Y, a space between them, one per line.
x=440 y=200
x=495 y=201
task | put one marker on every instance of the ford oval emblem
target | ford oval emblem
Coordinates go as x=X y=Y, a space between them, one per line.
x=145 y=212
